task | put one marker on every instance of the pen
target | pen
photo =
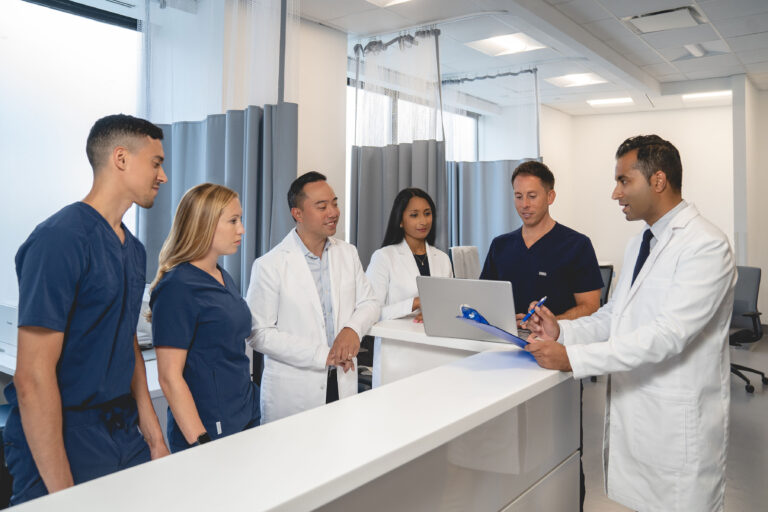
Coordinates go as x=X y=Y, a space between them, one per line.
x=533 y=309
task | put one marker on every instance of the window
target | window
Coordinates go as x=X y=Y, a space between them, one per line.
x=61 y=72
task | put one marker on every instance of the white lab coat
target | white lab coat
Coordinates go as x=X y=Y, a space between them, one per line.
x=392 y=273
x=665 y=346
x=289 y=329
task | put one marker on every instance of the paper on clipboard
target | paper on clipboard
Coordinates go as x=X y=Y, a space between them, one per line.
x=474 y=319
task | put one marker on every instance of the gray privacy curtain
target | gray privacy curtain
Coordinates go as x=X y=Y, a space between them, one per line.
x=379 y=173
x=251 y=151
x=482 y=203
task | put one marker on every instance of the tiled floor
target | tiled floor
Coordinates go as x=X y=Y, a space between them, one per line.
x=747 y=471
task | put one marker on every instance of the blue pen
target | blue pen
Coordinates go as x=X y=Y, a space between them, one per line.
x=532 y=311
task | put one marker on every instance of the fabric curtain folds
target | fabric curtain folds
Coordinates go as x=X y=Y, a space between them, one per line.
x=251 y=151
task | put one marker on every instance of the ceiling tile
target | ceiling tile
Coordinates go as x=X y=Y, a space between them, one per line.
x=583 y=11
x=714 y=72
x=751 y=42
x=710 y=62
x=717 y=46
x=660 y=69
x=371 y=22
x=752 y=56
x=609 y=29
x=758 y=67
x=674 y=53
x=624 y=8
x=733 y=27
x=722 y=10
x=636 y=52
x=323 y=10
x=680 y=36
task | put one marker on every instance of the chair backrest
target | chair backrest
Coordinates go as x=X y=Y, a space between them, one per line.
x=745 y=296
x=466 y=262
x=606 y=271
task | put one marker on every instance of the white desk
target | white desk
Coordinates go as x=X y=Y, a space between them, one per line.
x=437 y=440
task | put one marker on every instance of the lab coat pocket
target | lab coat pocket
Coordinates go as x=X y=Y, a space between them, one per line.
x=663 y=429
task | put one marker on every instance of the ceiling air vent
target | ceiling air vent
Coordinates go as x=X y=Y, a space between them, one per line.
x=669 y=19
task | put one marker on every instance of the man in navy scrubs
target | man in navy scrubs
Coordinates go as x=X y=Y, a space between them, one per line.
x=543 y=257
x=80 y=391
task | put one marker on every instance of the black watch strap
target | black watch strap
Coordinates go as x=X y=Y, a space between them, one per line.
x=203 y=438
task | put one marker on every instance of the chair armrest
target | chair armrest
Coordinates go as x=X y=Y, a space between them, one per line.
x=752 y=314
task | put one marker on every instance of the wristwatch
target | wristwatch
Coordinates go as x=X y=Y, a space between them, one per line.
x=203 y=438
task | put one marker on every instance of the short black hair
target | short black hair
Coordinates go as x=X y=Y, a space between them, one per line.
x=537 y=169
x=296 y=191
x=395 y=233
x=114 y=130
x=655 y=154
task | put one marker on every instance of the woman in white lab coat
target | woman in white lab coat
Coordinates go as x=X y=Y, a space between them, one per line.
x=407 y=252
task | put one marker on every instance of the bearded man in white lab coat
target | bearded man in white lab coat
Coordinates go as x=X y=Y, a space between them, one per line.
x=311 y=303
x=663 y=341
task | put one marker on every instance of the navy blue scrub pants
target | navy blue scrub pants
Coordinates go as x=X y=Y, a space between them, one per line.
x=98 y=441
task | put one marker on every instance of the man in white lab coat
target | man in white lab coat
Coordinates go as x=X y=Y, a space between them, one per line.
x=311 y=303
x=663 y=341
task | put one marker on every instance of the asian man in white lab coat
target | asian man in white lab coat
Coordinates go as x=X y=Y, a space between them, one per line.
x=663 y=341
x=311 y=304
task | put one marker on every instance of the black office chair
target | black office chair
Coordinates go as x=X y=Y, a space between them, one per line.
x=745 y=322
x=606 y=271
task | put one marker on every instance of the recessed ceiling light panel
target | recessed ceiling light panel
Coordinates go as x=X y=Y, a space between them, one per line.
x=386 y=3
x=610 y=102
x=576 y=80
x=506 y=44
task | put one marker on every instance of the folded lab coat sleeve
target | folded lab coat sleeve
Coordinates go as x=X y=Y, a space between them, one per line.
x=263 y=299
x=589 y=329
x=702 y=278
x=379 y=275
x=366 y=306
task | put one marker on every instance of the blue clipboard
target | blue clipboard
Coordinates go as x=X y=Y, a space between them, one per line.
x=475 y=319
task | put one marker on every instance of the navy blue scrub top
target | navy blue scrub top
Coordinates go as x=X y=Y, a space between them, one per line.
x=76 y=277
x=191 y=310
x=559 y=264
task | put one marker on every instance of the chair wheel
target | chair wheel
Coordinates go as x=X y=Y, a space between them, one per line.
x=765 y=381
x=750 y=388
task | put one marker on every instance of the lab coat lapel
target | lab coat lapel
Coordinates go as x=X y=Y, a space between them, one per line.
x=298 y=262
x=680 y=220
x=334 y=263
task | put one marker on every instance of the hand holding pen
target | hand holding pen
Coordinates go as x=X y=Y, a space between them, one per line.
x=533 y=309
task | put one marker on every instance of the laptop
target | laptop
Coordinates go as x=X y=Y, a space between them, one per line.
x=442 y=298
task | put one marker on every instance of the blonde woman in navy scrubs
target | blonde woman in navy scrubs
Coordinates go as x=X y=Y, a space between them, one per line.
x=407 y=252
x=200 y=322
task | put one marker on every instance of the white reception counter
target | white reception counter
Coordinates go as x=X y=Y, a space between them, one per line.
x=492 y=431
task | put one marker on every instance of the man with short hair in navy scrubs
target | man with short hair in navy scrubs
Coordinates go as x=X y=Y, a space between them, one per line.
x=80 y=391
x=544 y=258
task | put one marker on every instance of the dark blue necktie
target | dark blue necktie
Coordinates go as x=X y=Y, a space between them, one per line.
x=645 y=248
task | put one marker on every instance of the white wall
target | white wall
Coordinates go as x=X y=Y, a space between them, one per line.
x=703 y=136
x=556 y=151
x=322 y=106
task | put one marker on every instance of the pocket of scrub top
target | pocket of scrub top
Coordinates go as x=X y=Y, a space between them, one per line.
x=662 y=429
